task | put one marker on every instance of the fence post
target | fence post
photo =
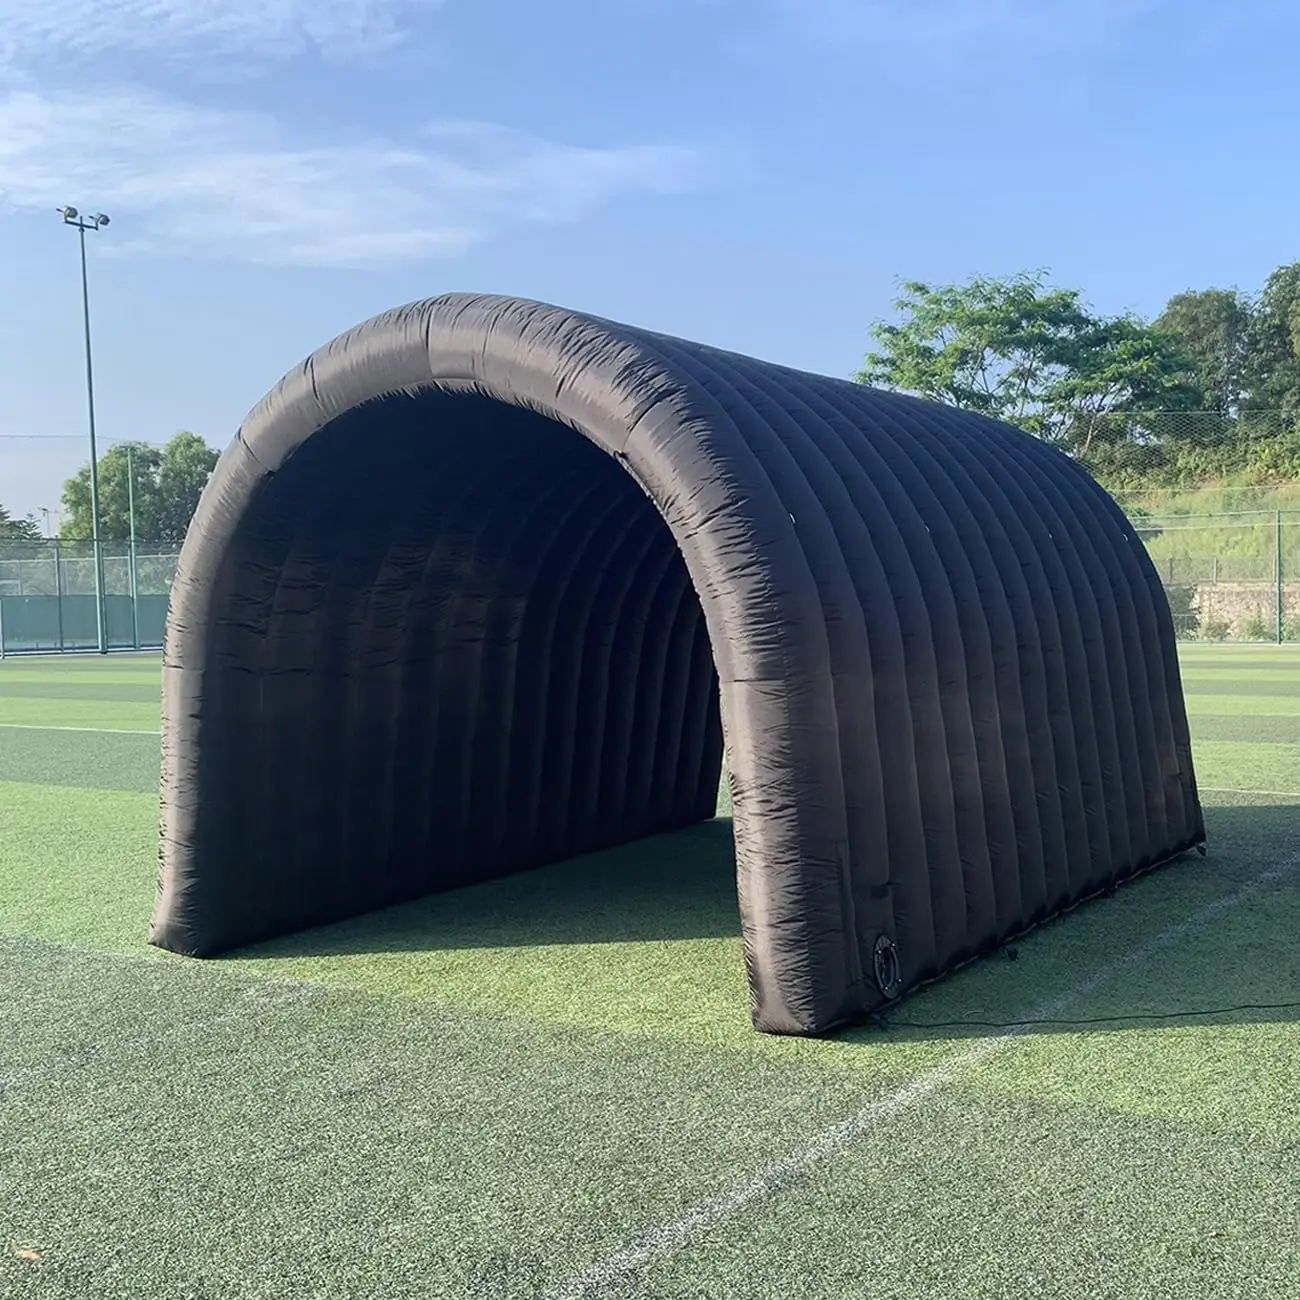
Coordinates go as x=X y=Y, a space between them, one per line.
x=132 y=585
x=58 y=590
x=1277 y=573
x=2 y=627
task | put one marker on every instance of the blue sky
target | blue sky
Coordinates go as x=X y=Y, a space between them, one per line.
x=752 y=173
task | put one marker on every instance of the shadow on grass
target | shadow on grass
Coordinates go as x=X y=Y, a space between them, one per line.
x=1240 y=967
x=676 y=886
x=682 y=886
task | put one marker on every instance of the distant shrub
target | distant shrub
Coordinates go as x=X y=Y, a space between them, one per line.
x=1216 y=629
x=1259 y=628
x=1186 y=619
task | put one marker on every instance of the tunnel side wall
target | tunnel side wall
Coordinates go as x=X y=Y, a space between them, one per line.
x=945 y=670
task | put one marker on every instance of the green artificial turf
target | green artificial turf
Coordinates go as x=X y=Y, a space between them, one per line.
x=1216 y=701
x=141 y=669
x=1271 y=728
x=253 y=1139
x=491 y=1091
x=77 y=866
x=1248 y=765
x=1267 y=691
x=47 y=711
x=993 y=1198
x=1236 y=664
x=79 y=760
x=53 y=688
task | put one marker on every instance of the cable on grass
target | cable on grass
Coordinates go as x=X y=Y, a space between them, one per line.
x=886 y=1023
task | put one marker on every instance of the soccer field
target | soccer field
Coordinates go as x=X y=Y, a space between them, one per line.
x=547 y=1086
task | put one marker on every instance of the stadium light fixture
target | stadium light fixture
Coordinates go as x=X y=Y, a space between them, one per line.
x=96 y=221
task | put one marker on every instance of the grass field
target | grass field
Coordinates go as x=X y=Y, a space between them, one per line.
x=548 y=1087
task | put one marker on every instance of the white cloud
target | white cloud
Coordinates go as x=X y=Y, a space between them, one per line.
x=40 y=32
x=182 y=179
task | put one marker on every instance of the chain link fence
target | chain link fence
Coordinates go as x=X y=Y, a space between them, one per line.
x=1229 y=577
x=47 y=595
x=1232 y=576
x=1150 y=453
x=1215 y=498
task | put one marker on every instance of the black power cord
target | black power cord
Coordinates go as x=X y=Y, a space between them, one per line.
x=887 y=1023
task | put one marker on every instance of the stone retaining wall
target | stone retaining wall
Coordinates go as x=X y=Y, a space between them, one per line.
x=1236 y=610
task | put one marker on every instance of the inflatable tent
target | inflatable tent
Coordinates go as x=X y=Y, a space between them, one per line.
x=485 y=584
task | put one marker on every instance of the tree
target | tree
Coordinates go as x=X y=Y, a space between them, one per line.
x=1273 y=372
x=1115 y=366
x=1017 y=350
x=1213 y=327
x=114 y=495
x=989 y=345
x=17 y=530
x=167 y=485
x=187 y=464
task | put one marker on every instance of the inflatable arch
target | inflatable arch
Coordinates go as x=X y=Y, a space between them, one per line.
x=484 y=584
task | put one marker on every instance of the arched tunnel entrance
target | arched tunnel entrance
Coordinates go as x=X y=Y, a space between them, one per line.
x=471 y=646
x=465 y=593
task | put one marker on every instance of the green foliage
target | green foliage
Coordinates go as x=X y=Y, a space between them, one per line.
x=1215 y=629
x=1208 y=392
x=1218 y=497
x=114 y=496
x=1193 y=540
x=1181 y=597
x=1259 y=628
x=167 y=484
x=187 y=464
x=1213 y=327
x=1273 y=367
x=991 y=345
x=1013 y=349
x=17 y=530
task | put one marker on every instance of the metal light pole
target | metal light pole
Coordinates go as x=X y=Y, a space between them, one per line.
x=71 y=217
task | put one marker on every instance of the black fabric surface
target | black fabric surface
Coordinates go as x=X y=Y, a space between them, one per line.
x=475 y=588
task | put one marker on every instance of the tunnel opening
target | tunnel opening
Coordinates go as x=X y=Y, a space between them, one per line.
x=469 y=645
x=430 y=623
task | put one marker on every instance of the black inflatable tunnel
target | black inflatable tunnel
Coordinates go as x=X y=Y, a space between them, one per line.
x=484 y=584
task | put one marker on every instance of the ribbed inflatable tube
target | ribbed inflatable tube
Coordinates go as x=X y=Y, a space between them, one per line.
x=485 y=583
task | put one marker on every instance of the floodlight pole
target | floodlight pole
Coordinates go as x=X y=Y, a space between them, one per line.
x=81 y=224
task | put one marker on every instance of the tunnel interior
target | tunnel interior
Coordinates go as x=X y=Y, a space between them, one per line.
x=456 y=640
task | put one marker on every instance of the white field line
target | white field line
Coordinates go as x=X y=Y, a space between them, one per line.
x=621 y=1268
x=107 y=731
x=1267 y=794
